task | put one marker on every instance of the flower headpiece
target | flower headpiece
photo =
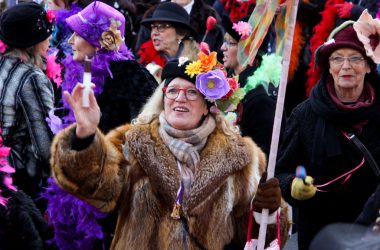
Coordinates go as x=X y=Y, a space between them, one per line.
x=243 y=28
x=112 y=39
x=212 y=81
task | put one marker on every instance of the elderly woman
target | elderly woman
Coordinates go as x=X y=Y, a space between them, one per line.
x=335 y=133
x=171 y=35
x=180 y=176
x=26 y=94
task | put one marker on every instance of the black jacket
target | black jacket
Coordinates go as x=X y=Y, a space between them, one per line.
x=343 y=202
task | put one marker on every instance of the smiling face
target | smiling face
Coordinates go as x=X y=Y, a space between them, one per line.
x=165 y=38
x=42 y=48
x=348 y=76
x=181 y=113
x=81 y=48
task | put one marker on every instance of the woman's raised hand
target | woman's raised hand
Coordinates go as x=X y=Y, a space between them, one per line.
x=87 y=118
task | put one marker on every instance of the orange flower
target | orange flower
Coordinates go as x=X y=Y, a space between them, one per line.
x=207 y=61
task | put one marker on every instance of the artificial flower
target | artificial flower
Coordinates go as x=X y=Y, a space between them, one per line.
x=204 y=47
x=231 y=117
x=182 y=60
x=208 y=61
x=233 y=85
x=212 y=84
x=367 y=30
x=210 y=23
x=111 y=39
x=194 y=68
x=243 y=28
x=50 y=15
x=214 y=109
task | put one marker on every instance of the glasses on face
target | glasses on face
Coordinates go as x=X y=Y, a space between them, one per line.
x=161 y=27
x=352 y=60
x=229 y=44
x=172 y=93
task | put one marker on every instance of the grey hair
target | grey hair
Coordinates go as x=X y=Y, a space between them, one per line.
x=27 y=55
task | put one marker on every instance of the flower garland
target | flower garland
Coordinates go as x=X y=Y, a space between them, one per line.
x=211 y=80
x=268 y=72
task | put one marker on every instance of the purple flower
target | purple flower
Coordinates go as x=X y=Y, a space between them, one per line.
x=212 y=84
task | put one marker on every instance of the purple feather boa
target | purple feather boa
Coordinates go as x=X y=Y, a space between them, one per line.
x=99 y=71
x=75 y=222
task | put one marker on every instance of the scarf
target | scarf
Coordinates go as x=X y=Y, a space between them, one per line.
x=332 y=117
x=185 y=145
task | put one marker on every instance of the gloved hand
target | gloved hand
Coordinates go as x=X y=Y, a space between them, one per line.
x=268 y=194
x=303 y=191
x=343 y=9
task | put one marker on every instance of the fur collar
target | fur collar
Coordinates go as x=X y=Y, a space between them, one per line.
x=220 y=158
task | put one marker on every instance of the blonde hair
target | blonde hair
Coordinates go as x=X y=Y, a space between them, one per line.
x=27 y=55
x=155 y=105
x=190 y=49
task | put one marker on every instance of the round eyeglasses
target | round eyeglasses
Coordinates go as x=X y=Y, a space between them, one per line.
x=161 y=27
x=352 y=60
x=172 y=93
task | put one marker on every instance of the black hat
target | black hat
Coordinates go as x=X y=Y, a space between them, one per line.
x=173 y=69
x=170 y=12
x=227 y=25
x=25 y=25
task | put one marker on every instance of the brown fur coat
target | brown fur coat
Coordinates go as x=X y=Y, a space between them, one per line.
x=144 y=187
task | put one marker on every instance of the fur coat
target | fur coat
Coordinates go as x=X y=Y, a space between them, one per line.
x=132 y=170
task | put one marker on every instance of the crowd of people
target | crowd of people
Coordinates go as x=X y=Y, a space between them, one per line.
x=135 y=125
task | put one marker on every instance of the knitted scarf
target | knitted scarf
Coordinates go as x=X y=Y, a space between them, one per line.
x=331 y=118
x=186 y=145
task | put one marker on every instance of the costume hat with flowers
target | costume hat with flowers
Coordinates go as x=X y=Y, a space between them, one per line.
x=101 y=25
x=172 y=13
x=222 y=94
x=25 y=25
x=361 y=35
x=174 y=68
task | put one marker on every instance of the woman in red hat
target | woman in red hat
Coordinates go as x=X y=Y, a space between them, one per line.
x=335 y=133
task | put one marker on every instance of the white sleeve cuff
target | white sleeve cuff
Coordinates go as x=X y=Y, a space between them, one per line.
x=272 y=218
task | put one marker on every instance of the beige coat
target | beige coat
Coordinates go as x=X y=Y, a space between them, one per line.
x=144 y=187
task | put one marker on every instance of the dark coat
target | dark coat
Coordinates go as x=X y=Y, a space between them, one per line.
x=343 y=202
x=259 y=108
x=125 y=94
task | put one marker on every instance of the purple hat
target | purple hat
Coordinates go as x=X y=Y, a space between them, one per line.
x=99 y=24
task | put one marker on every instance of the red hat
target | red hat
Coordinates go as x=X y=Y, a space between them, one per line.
x=343 y=36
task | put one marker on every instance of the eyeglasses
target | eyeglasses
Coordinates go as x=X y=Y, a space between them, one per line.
x=229 y=44
x=352 y=60
x=161 y=27
x=171 y=93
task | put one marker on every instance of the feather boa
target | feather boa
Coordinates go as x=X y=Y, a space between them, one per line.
x=298 y=43
x=75 y=221
x=268 y=72
x=100 y=69
x=321 y=33
x=5 y=172
x=148 y=54
x=238 y=9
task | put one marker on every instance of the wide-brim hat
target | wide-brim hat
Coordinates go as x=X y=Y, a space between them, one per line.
x=25 y=25
x=172 y=13
x=344 y=36
x=93 y=20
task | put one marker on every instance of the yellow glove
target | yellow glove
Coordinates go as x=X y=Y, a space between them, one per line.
x=303 y=191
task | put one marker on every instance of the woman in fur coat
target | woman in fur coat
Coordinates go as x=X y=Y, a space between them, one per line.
x=180 y=176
